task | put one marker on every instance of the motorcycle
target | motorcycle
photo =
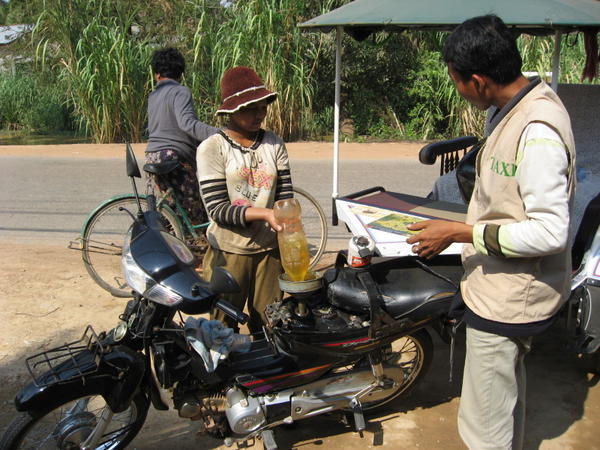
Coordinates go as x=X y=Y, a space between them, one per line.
x=350 y=340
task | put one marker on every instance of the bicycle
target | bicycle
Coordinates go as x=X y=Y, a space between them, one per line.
x=104 y=230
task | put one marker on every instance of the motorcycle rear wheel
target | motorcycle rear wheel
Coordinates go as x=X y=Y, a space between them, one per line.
x=67 y=423
x=405 y=360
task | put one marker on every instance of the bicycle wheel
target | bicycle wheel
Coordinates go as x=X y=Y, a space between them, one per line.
x=103 y=236
x=315 y=225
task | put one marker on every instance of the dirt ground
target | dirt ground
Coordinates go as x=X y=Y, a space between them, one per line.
x=47 y=298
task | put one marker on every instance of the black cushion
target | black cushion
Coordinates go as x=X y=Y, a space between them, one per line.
x=405 y=286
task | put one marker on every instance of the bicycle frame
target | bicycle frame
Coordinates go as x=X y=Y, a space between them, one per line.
x=105 y=202
x=181 y=213
x=111 y=199
x=184 y=221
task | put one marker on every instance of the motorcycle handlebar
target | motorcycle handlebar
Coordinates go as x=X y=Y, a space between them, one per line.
x=232 y=311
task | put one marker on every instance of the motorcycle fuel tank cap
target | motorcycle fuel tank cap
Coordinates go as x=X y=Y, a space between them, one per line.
x=360 y=251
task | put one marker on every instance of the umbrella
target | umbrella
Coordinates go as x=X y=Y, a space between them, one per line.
x=446 y=14
x=362 y=17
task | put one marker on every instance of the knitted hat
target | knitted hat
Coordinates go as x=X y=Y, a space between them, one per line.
x=241 y=86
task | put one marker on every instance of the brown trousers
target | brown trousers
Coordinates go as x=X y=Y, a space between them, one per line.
x=257 y=274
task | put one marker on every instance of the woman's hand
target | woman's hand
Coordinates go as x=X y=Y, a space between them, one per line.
x=266 y=214
x=270 y=218
x=437 y=235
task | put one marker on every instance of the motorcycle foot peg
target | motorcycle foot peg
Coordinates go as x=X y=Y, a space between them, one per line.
x=268 y=438
x=359 y=417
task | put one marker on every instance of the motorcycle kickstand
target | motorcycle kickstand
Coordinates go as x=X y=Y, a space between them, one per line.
x=359 y=418
x=356 y=406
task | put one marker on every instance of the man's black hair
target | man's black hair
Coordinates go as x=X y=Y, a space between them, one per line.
x=168 y=62
x=484 y=45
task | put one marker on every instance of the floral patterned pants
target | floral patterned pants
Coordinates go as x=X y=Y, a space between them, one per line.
x=184 y=182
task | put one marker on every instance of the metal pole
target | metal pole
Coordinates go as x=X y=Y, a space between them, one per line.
x=556 y=60
x=336 y=122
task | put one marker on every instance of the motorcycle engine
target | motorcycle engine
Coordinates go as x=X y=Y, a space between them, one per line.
x=318 y=316
x=245 y=414
x=208 y=411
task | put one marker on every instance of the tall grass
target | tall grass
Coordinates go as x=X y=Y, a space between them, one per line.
x=106 y=72
x=392 y=85
x=16 y=95
x=30 y=104
x=104 y=67
x=109 y=83
x=439 y=110
x=538 y=51
x=261 y=34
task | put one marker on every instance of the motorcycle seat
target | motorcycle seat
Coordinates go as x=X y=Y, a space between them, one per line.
x=405 y=286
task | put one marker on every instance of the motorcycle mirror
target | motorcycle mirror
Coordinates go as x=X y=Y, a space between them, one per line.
x=222 y=282
x=132 y=167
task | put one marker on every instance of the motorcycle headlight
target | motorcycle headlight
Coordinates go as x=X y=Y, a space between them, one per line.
x=142 y=283
x=179 y=248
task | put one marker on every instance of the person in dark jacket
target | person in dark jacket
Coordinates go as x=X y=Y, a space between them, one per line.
x=175 y=132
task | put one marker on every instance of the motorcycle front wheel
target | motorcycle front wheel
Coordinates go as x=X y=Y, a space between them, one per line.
x=68 y=422
x=405 y=361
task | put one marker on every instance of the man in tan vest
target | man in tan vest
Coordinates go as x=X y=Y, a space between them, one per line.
x=516 y=254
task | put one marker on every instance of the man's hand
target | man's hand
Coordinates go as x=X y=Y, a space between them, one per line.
x=437 y=235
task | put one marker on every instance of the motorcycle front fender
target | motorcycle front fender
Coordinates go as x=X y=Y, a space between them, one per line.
x=117 y=378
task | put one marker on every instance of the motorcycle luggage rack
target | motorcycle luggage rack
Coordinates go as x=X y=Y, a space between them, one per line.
x=67 y=362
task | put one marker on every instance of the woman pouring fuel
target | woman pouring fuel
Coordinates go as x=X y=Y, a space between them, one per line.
x=242 y=171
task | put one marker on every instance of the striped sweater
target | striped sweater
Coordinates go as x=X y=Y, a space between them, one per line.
x=233 y=178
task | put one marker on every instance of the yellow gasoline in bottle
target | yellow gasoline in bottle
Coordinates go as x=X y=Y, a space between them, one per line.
x=292 y=240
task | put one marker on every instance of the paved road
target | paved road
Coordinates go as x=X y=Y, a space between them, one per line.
x=49 y=198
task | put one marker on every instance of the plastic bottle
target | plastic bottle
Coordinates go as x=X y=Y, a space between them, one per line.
x=292 y=240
